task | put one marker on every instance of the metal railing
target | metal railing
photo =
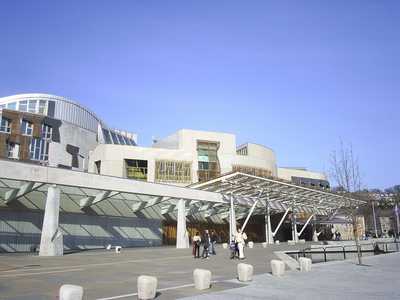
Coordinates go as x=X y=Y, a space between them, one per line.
x=375 y=248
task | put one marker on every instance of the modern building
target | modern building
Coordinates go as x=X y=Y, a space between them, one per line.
x=52 y=131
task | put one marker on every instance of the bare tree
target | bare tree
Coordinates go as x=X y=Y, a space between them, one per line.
x=345 y=170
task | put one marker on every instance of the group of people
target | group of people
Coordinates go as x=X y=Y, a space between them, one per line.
x=208 y=242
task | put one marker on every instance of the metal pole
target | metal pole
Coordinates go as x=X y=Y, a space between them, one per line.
x=232 y=219
x=280 y=222
x=374 y=216
x=294 y=225
x=355 y=231
x=294 y=222
x=251 y=211
x=269 y=239
x=305 y=225
x=396 y=210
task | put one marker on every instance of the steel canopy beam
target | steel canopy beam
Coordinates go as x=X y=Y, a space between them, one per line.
x=24 y=189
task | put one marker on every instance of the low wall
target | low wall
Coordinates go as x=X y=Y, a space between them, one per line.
x=20 y=231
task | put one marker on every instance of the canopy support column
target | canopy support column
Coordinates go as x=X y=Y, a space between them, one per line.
x=269 y=238
x=374 y=216
x=315 y=234
x=182 y=238
x=280 y=222
x=294 y=222
x=232 y=219
x=251 y=211
x=305 y=225
x=51 y=241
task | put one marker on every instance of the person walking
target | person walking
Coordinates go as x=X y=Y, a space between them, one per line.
x=196 y=245
x=206 y=244
x=233 y=247
x=214 y=239
x=240 y=239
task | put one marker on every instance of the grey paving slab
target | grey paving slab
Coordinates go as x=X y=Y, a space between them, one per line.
x=378 y=278
x=106 y=274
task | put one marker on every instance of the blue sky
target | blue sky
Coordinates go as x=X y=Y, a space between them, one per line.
x=296 y=76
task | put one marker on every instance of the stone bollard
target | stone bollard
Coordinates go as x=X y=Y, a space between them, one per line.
x=277 y=242
x=225 y=245
x=202 y=279
x=305 y=264
x=71 y=292
x=302 y=241
x=118 y=249
x=251 y=244
x=245 y=272
x=264 y=245
x=291 y=242
x=147 y=287
x=278 y=267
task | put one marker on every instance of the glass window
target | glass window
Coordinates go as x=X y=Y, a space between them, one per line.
x=34 y=153
x=131 y=142
x=208 y=164
x=114 y=138
x=32 y=106
x=39 y=150
x=136 y=169
x=12 y=105
x=5 y=125
x=121 y=139
x=23 y=105
x=106 y=135
x=42 y=107
x=126 y=140
x=47 y=132
x=26 y=128
x=2 y=106
x=13 y=150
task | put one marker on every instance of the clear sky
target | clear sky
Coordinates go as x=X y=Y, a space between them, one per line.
x=296 y=76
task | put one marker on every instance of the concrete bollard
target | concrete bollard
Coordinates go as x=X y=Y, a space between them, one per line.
x=118 y=249
x=250 y=244
x=245 y=272
x=225 y=245
x=278 y=267
x=147 y=287
x=71 y=292
x=264 y=245
x=291 y=242
x=302 y=241
x=277 y=242
x=202 y=279
x=109 y=247
x=305 y=264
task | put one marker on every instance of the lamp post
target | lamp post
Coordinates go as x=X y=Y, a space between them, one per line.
x=396 y=211
x=374 y=216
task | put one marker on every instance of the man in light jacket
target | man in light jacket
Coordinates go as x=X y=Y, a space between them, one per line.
x=240 y=239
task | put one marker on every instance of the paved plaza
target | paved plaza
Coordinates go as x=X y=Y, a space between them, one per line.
x=377 y=278
x=105 y=274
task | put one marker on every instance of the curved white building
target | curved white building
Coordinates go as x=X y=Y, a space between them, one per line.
x=72 y=130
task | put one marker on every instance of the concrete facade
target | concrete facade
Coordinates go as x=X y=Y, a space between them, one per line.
x=183 y=146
